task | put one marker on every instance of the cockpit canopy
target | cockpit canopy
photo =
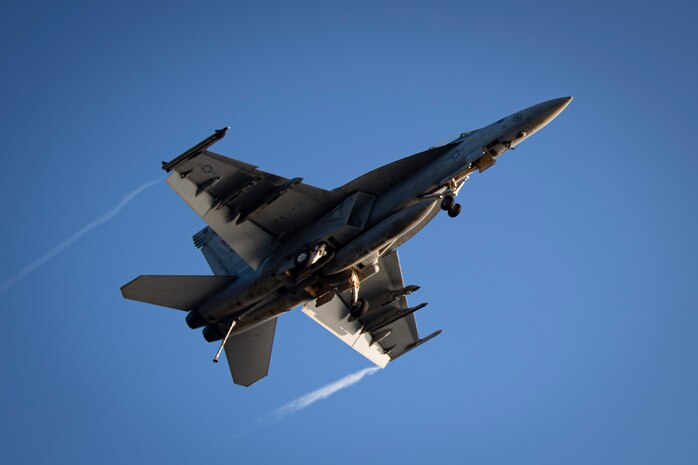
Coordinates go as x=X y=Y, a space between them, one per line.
x=458 y=138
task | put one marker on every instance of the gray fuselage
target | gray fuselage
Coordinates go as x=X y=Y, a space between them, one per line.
x=393 y=217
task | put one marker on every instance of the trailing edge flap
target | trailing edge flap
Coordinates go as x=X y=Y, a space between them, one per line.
x=378 y=336
x=180 y=292
x=248 y=240
x=249 y=209
x=249 y=353
x=334 y=317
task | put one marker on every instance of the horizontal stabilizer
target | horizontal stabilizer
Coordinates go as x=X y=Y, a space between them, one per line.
x=180 y=292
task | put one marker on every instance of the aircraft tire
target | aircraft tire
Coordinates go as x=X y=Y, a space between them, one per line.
x=454 y=210
x=447 y=202
x=359 y=309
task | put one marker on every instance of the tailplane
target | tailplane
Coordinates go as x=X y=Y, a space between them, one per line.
x=180 y=292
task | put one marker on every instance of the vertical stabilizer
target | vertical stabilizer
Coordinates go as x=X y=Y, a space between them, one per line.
x=220 y=257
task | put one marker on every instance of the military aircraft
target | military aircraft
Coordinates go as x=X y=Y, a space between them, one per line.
x=275 y=243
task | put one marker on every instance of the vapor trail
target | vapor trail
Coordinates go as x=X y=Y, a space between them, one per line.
x=323 y=393
x=68 y=242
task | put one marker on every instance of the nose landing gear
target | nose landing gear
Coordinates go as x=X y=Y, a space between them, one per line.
x=449 y=204
x=454 y=210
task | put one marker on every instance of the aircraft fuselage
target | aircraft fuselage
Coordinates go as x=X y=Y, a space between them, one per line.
x=280 y=283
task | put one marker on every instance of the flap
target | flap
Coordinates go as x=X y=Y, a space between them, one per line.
x=248 y=208
x=334 y=317
x=389 y=328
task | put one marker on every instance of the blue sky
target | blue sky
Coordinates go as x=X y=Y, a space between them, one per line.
x=566 y=290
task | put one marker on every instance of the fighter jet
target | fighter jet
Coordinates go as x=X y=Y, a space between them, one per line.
x=275 y=243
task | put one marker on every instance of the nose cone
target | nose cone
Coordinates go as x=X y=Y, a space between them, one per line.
x=541 y=114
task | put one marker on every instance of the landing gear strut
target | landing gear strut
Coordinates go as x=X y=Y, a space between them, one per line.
x=358 y=307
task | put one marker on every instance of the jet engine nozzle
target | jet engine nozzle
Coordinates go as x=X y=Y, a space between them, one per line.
x=195 y=320
x=212 y=333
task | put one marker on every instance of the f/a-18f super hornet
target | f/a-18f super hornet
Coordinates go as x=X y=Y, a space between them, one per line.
x=275 y=243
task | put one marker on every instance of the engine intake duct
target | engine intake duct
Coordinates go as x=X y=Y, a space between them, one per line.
x=378 y=236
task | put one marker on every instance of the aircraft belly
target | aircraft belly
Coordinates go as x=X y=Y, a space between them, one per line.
x=248 y=289
x=379 y=236
x=418 y=227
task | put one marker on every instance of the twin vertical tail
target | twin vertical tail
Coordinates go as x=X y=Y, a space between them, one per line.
x=248 y=353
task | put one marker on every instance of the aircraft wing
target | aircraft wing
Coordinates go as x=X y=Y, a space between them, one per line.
x=248 y=208
x=388 y=330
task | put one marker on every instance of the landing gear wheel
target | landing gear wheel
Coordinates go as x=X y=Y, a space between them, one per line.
x=302 y=258
x=454 y=210
x=359 y=309
x=447 y=202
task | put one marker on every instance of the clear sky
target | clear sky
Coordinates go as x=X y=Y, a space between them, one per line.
x=566 y=289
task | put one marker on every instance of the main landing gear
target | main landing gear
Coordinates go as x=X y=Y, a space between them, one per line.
x=449 y=204
x=358 y=307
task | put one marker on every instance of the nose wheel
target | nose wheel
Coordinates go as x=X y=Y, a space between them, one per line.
x=449 y=204
x=454 y=210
